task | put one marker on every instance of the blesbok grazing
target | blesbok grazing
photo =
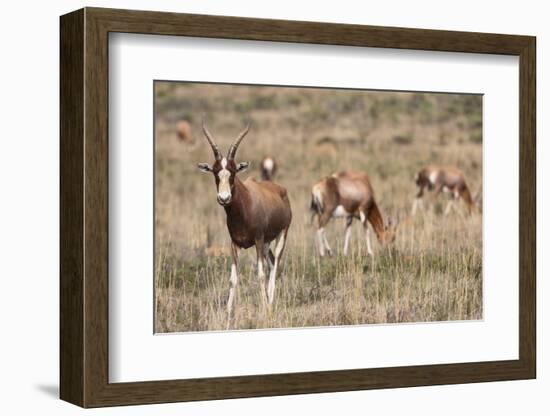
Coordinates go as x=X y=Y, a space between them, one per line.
x=184 y=132
x=445 y=179
x=268 y=168
x=349 y=195
x=257 y=214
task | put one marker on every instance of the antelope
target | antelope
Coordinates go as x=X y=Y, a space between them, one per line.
x=447 y=179
x=184 y=132
x=349 y=195
x=258 y=213
x=268 y=168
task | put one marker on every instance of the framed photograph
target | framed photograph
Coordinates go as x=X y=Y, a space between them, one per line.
x=255 y=207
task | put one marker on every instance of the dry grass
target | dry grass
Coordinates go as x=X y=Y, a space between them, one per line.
x=433 y=272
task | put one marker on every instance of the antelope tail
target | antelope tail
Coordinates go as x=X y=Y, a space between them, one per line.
x=316 y=203
x=376 y=220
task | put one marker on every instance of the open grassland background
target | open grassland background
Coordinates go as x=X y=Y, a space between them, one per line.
x=433 y=271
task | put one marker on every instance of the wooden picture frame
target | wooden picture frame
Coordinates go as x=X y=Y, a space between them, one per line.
x=84 y=207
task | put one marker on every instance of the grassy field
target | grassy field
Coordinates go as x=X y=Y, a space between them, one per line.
x=432 y=272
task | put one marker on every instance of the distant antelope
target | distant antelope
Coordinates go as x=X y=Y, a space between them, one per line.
x=447 y=179
x=257 y=214
x=268 y=168
x=349 y=195
x=184 y=132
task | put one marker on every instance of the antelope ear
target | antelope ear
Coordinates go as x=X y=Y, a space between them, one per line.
x=242 y=166
x=205 y=167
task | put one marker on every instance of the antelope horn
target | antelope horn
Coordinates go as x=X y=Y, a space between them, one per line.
x=213 y=145
x=237 y=142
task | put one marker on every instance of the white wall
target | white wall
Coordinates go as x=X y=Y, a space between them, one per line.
x=29 y=205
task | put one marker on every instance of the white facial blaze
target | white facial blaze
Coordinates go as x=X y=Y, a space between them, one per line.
x=224 y=189
x=268 y=164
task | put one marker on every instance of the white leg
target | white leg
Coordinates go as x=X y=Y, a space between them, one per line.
x=313 y=217
x=417 y=203
x=449 y=207
x=363 y=219
x=267 y=258
x=233 y=280
x=261 y=277
x=320 y=242
x=260 y=271
x=369 y=247
x=347 y=236
x=273 y=273
x=327 y=246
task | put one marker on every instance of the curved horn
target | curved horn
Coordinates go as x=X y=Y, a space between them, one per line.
x=214 y=146
x=237 y=142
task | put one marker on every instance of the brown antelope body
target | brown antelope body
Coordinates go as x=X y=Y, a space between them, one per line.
x=258 y=213
x=446 y=179
x=268 y=168
x=349 y=195
x=184 y=132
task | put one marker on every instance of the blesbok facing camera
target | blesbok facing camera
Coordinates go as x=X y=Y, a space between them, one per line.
x=446 y=179
x=348 y=195
x=268 y=168
x=257 y=214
